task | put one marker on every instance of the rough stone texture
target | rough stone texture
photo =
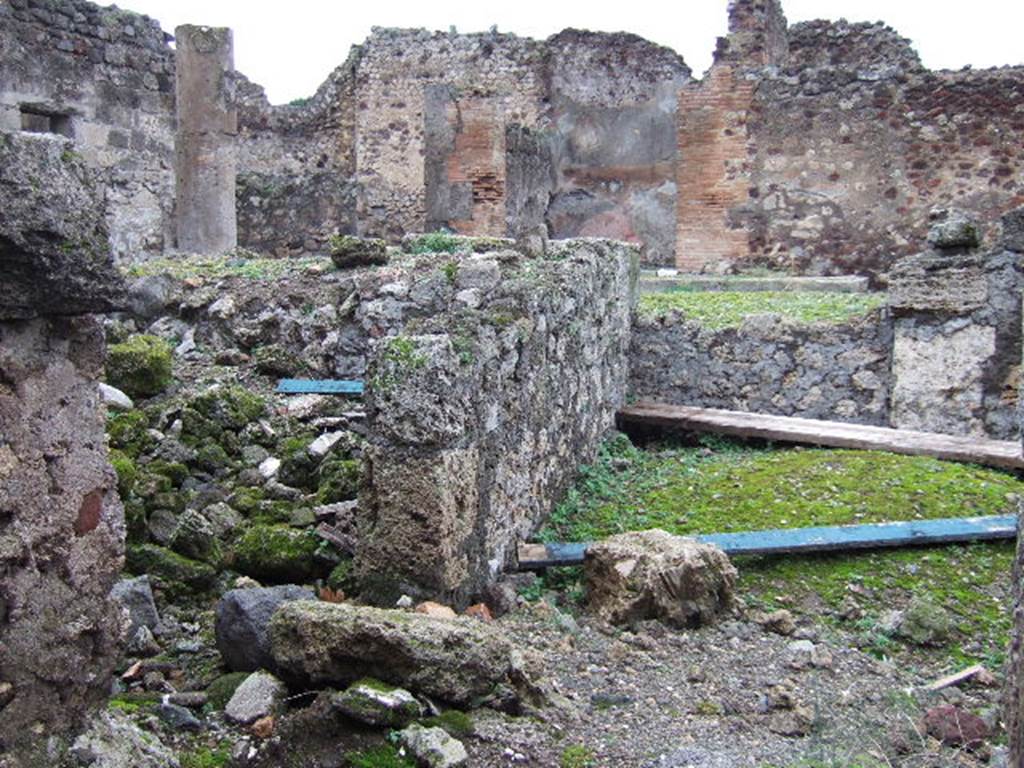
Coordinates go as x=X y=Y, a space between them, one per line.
x=259 y=695
x=105 y=78
x=61 y=530
x=1013 y=712
x=243 y=624
x=956 y=231
x=1013 y=230
x=136 y=597
x=479 y=412
x=207 y=122
x=114 y=741
x=457 y=660
x=955 y=727
x=54 y=255
x=957 y=343
x=768 y=365
x=654 y=575
x=433 y=747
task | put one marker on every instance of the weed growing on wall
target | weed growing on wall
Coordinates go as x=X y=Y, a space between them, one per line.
x=728 y=309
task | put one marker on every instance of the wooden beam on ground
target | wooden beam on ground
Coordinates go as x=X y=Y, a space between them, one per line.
x=646 y=415
x=837 y=538
x=319 y=387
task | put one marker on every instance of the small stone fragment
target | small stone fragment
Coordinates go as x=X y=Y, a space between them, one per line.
x=433 y=747
x=114 y=398
x=259 y=695
x=479 y=611
x=375 y=703
x=955 y=728
x=780 y=622
x=436 y=610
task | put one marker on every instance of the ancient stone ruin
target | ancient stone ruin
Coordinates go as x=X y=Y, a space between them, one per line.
x=284 y=388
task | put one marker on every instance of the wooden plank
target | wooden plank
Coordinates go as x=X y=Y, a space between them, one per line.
x=957 y=677
x=319 y=387
x=998 y=453
x=818 y=539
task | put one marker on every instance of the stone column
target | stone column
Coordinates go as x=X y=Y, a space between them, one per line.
x=1014 y=715
x=205 y=140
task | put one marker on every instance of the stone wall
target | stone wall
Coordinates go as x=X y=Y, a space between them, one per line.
x=503 y=379
x=844 y=145
x=768 y=365
x=61 y=521
x=106 y=78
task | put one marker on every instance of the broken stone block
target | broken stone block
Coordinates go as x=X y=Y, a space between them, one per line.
x=940 y=283
x=655 y=575
x=136 y=597
x=956 y=231
x=955 y=728
x=54 y=250
x=242 y=625
x=433 y=747
x=457 y=660
x=348 y=251
x=1013 y=230
x=113 y=740
x=375 y=703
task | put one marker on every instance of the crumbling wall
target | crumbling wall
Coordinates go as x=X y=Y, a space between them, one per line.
x=104 y=77
x=836 y=372
x=479 y=411
x=295 y=166
x=61 y=521
x=831 y=162
x=957 y=345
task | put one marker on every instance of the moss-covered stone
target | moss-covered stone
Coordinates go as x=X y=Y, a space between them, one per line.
x=342 y=577
x=299 y=469
x=177 y=575
x=456 y=722
x=275 y=360
x=195 y=538
x=277 y=554
x=339 y=480
x=140 y=366
x=247 y=500
x=127 y=432
x=348 y=251
x=925 y=623
x=211 y=457
x=174 y=471
x=126 y=470
x=220 y=691
x=220 y=409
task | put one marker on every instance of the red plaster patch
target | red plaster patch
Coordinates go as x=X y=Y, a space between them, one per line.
x=89 y=513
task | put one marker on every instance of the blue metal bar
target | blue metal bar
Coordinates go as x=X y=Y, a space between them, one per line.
x=319 y=387
x=823 y=539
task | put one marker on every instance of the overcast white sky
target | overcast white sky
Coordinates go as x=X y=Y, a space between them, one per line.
x=290 y=47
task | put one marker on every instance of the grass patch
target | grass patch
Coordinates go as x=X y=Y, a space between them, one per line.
x=723 y=486
x=229 y=265
x=384 y=756
x=728 y=309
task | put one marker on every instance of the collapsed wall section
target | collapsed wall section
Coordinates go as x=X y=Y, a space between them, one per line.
x=480 y=412
x=61 y=521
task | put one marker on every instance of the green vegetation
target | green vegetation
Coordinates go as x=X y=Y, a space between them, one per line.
x=439 y=242
x=126 y=470
x=220 y=691
x=577 y=756
x=384 y=756
x=728 y=309
x=339 y=480
x=177 y=575
x=399 y=357
x=725 y=486
x=206 y=757
x=302 y=101
x=133 y=703
x=128 y=432
x=458 y=724
x=277 y=553
x=229 y=265
x=140 y=365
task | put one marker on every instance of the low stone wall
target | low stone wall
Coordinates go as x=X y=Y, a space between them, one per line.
x=480 y=410
x=768 y=365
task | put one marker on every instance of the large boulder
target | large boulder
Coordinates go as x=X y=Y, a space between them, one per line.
x=655 y=575
x=259 y=695
x=461 y=661
x=54 y=251
x=242 y=625
x=114 y=741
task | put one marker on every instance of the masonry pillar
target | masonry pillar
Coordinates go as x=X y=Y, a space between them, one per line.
x=205 y=140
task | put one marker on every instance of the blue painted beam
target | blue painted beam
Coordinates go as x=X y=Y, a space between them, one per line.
x=319 y=387
x=801 y=540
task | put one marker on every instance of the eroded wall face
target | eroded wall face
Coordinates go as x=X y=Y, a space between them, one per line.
x=104 y=77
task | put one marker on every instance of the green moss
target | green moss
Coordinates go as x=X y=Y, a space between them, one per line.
x=577 y=756
x=277 y=553
x=206 y=757
x=341 y=577
x=458 y=724
x=214 y=268
x=174 y=471
x=733 y=488
x=220 y=691
x=177 y=575
x=299 y=469
x=231 y=407
x=275 y=360
x=127 y=432
x=247 y=500
x=399 y=356
x=140 y=366
x=384 y=756
x=132 y=703
x=126 y=470
x=339 y=480
x=451 y=271
x=728 y=309
x=211 y=457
